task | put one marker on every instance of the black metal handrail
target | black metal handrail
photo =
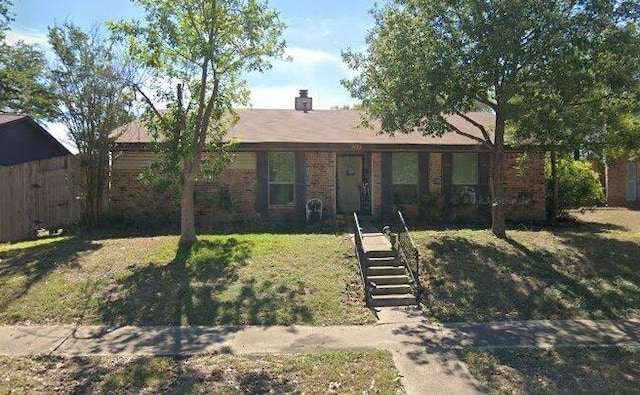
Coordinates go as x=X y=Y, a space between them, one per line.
x=362 y=259
x=408 y=253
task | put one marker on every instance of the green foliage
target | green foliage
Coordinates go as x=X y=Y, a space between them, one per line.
x=92 y=85
x=221 y=199
x=23 y=84
x=529 y=61
x=578 y=185
x=202 y=48
x=432 y=206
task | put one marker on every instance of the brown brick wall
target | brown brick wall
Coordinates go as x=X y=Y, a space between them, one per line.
x=144 y=202
x=617 y=180
x=321 y=180
x=435 y=172
x=524 y=187
x=242 y=188
x=525 y=192
x=376 y=184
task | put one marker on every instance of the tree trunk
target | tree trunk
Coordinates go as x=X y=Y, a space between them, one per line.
x=498 y=207
x=187 y=211
x=554 y=180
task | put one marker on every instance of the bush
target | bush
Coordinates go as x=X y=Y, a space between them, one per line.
x=578 y=185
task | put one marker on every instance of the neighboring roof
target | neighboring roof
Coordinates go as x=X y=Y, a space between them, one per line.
x=320 y=126
x=22 y=139
x=6 y=118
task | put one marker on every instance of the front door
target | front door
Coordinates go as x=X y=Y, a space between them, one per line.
x=349 y=181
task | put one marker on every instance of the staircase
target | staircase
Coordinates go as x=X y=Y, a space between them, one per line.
x=388 y=280
x=385 y=277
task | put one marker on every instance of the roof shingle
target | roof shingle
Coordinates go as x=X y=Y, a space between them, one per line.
x=320 y=126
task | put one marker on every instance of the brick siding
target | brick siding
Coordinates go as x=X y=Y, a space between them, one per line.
x=321 y=180
x=617 y=180
x=524 y=187
x=435 y=172
x=525 y=191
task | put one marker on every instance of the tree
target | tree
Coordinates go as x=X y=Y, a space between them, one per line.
x=202 y=47
x=23 y=84
x=428 y=58
x=92 y=85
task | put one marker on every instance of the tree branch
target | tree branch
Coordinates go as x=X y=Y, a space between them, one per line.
x=150 y=103
x=485 y=133
x=461 y=133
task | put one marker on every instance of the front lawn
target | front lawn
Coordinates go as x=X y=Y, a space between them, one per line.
x=589 y=270
x=607 y=370
x=326 y=372
x=261 y=279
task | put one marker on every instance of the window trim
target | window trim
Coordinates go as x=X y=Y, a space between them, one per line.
x=467 y=196
x=416 y=185
x=292 y=183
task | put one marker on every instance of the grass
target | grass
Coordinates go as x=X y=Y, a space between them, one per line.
x=261 y=279
x=564 y=370
x=582 y=271
x=342 y=372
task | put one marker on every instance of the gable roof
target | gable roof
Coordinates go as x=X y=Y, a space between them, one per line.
x=22 y=139
x=258 y=126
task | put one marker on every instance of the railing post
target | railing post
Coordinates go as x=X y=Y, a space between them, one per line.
x=416 y=256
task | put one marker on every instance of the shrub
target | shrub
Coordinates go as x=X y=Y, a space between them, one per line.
x=578 y=185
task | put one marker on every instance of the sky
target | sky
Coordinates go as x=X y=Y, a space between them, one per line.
x=316 y=33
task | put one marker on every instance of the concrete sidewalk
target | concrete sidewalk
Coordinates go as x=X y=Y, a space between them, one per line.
x=422 y=351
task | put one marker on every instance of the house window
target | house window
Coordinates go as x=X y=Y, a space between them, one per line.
x=464 y=177
x=282 y=173
x=404 y=177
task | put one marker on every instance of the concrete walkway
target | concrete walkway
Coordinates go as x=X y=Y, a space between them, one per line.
x=423 y=351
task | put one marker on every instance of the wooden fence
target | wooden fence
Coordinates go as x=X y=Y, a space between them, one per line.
x=42 y=194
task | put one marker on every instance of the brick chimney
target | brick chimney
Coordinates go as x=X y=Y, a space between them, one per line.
x=304 y=102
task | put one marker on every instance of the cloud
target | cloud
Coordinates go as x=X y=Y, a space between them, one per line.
x=283 y=96
x=304 y=55
x=28 y=36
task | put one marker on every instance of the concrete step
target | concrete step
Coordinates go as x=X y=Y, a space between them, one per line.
x=385 y=261
x=388 y=280
x=385 y=270
x=391 y=289
x=392 y=300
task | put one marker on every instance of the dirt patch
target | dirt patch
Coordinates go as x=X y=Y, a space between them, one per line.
x=329 y=372
x=617 y=218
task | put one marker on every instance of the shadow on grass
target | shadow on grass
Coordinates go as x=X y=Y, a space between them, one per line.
x=22 y=268
x=202 y=286
x=572 y=370
x=590 y=276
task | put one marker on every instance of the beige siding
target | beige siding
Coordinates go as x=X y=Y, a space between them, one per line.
x=243 y=161
x=132 y=160
x=140 y=160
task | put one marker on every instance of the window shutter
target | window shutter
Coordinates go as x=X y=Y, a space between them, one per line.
x=446 y=174
x=301 y=184
x=387 y=189
x=423 y=174
x=483 y=184
x=262 y=173
x=447 y=160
